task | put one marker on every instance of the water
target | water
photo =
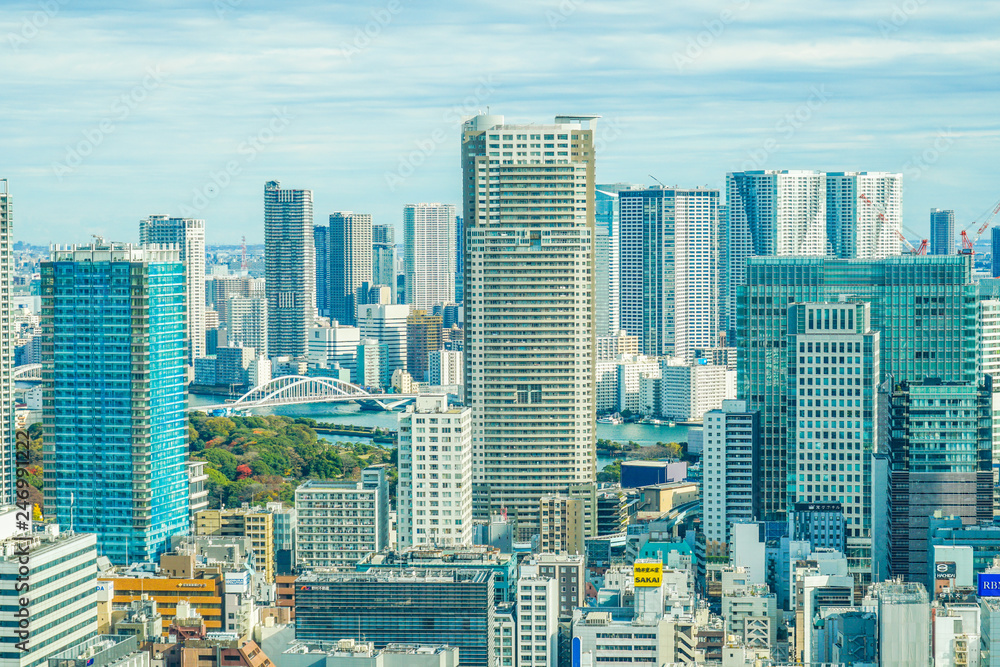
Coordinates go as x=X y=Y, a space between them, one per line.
x=350 y=413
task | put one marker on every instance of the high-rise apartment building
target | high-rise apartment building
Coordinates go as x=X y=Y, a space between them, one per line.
x=423 y=337
x=528 y=198
x=435 y=474
x=387 y=325
x=445 y=368
x=606 y=258
x=189 y=237
x=429 y=235
x=289 y=267
x=335 y=346
x=7 y=451
x=350 y=262
x=114 y=424
x=831 y=440
x=339 y=523
x=731 y=436
x=669 y=290
x=459 y=259
x=321 y=246
x=246 y=323
x=943 y=232
x=909 y=296
x=253 y=523
x=852 y=215
x=384 y=257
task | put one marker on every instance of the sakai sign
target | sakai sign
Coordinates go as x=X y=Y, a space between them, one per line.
x=650 y=575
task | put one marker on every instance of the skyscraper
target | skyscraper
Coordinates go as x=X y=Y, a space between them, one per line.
x=909 y=295
x=189 y=237
x=7 y=453
x=529 y=299
x=321 y=244
x=853 y=215
x=995 y=252
x=459 y=259
x=350 y=262
x=289 y=268
x=429 y=237
x=115 y=431
x=606 y=262
x=943 y=232
x=384 y=257
x=669 y=290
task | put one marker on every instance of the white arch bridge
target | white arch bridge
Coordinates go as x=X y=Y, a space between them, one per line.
x=299 y=390
x=28 y=373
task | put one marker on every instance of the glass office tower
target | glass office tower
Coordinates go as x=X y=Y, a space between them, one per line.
x=115 y=432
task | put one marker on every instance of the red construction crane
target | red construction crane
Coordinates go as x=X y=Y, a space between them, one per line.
x=883 y=218
x=967 y=243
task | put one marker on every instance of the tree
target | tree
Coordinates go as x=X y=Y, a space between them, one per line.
x=243 y=471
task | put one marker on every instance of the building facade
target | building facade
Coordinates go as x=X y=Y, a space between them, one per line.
x=435 y=474
x=430 y=242
x=289 y=268
x=246 y=323
x=387 y=325
x=350 y=262
x=943 y=232
x=321 y=245
x=114 y=419
x=731 y=437
x=384 y=258
x=534 y=407
x=7 y=444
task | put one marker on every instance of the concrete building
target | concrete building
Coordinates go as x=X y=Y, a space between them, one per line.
x=289 y=267
x=387 y=325
x=429 y=607
x=384 y=258
x=568 y=571
x=819 y=336
x=687 y=392
x=445 y=368
x=373 y=364
x=103 y=651
x=58 y=594
x=351 y=653
x=535 y=411
x=335 y=346
x=113 y=370
x=189 y=237
x=538 y=621
x=246 y=323
x=350 y=262
x=423 y=337
x=622 y=641
x=943 y=232
x=435 y=474
x=402 y=382
x=253 y=523
x=904 y=623
x=430 y=240
x=331 y=531
x=731 y=434
x=615 y=345
x=751 y=613
x=669 y=268
x=197 y=488
x=561 y=525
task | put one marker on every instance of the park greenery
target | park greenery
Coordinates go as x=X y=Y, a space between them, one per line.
x=263 y=458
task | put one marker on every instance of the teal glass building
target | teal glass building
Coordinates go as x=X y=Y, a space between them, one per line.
x=115 y=431
x=923 y=307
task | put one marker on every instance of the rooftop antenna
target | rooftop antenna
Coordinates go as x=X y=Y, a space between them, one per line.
x=657 y=180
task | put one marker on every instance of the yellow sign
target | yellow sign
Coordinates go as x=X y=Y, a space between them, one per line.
x=648 y=575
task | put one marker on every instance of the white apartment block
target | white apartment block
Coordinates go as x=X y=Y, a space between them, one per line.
x=446 y=368
x=730 y=434
x=505 y=637
x=864 y=213
x=387 y=325
x=189 y=237
x=537 y=621
x=669 y=269
x=339 y=523
x=335 y=344
x=529 y=310
x=631 y=370
x=989 y=364
x=430 y=237
x=606 y=385
x=644 y=641
x=435 y=475
x=610 y=348
x=246 y=322
x=687 y=392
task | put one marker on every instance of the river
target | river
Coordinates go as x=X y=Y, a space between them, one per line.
x=350 y=413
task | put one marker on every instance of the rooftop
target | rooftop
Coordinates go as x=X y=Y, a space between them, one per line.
x=387 y=575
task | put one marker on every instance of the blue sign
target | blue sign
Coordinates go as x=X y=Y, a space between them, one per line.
x=989 y=585
x=577 y=658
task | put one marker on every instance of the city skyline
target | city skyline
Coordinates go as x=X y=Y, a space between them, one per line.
x=717 y=88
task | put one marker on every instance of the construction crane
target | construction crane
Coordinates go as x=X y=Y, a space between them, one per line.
x=883 y=218
x=967 y=243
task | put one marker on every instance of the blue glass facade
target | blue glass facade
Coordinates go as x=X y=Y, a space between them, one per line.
x=115 y=431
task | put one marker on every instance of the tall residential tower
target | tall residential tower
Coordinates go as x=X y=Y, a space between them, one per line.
x=528 y=198
x=289 y=267
x=429 y=235
x=350 y=262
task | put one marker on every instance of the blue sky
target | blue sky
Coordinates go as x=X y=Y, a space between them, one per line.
x=116 y=110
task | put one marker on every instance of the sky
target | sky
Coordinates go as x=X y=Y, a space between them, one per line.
x=116 y=110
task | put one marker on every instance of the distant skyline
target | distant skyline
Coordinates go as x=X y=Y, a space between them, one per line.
x=113 y=114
